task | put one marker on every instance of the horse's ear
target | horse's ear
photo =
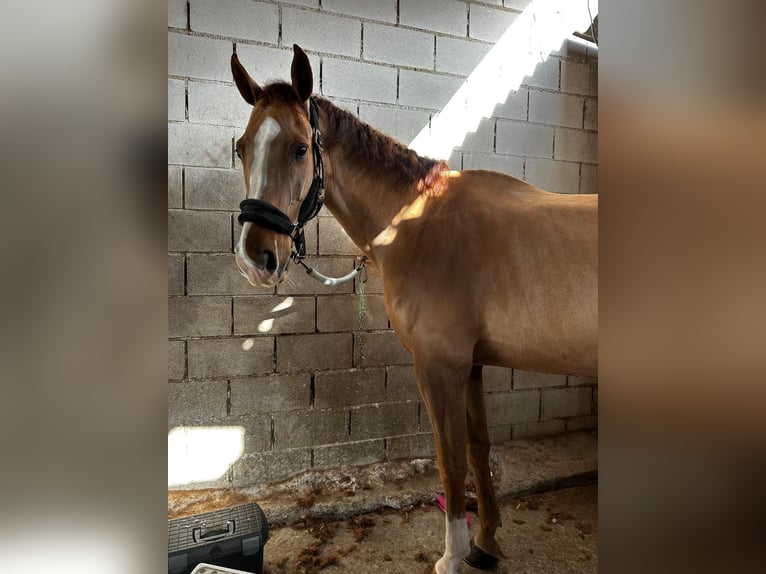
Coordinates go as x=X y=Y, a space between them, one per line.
x=246 y=85
x=303 y=79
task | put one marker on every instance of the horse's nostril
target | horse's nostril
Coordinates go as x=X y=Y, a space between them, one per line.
x=267 y=260
x=270 y=259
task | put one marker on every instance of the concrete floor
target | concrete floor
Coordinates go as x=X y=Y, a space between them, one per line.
x=552 y=532
x=354 y=519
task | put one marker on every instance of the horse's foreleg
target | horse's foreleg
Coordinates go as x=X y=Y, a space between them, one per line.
x=443 y=388
x=489 y=513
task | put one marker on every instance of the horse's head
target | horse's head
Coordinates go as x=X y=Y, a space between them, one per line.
x=276 y=152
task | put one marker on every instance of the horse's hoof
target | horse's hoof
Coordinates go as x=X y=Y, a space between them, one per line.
x=479 y=559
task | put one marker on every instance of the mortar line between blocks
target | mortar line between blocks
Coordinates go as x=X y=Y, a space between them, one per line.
x=528 y=99
x=312 y=391
x=185 y=375
x=434 y=66
x=183 y=188
x=553 y=144
x=419 y=415
x=468 y=20
x=539 y=405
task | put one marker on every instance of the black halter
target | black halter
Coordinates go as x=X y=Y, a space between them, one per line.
x=266 y=215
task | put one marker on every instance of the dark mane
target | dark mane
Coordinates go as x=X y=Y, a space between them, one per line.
x=368 y=145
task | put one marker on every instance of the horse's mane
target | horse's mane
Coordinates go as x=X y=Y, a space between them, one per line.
x=382 y=153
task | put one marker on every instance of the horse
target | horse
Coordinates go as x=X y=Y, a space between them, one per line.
x=478 y=267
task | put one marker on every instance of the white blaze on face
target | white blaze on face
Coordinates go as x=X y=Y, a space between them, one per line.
x=259 y=170
x=240 y=248
x=258 y=173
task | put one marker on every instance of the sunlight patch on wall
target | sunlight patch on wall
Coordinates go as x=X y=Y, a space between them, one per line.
x=533 y=35
x=286 y=304
x=267 y=325
x=202 y=454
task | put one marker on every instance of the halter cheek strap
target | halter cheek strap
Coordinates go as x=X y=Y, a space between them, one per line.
x=266 y=215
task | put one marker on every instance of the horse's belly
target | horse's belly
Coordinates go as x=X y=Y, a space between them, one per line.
x=575 y=362
x=539 y=348
x=542 y=315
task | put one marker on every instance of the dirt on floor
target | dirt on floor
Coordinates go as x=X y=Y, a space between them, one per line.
x=553 y=532
x=385 y=516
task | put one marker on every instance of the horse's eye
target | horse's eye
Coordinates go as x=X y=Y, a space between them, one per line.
x=300 y=151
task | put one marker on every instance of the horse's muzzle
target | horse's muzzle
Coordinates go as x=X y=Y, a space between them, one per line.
x=264 y=274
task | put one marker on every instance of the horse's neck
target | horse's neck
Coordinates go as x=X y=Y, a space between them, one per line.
x=361 y=203
x=362 y=196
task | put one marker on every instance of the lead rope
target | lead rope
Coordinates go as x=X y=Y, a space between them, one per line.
x=362 y=307
x=332 y=281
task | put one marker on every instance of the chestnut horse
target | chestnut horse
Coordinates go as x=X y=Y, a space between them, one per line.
x=479 y=268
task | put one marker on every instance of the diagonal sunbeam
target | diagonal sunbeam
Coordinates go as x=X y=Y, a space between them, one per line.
x=534 y=34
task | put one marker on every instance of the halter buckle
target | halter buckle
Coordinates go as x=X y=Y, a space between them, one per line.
x=299 y=243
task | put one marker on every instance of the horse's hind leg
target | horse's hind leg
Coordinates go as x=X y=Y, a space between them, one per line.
x=489 y=513
x=443 y=385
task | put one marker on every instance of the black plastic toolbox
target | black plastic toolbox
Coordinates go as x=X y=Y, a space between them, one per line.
x=203 y=568
x=232 y=537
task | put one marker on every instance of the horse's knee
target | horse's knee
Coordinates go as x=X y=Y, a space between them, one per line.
x=478 y=450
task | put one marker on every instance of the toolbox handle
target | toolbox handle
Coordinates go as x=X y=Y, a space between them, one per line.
x=213 y=534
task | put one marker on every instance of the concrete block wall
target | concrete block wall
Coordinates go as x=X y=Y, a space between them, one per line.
x=312 y=386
